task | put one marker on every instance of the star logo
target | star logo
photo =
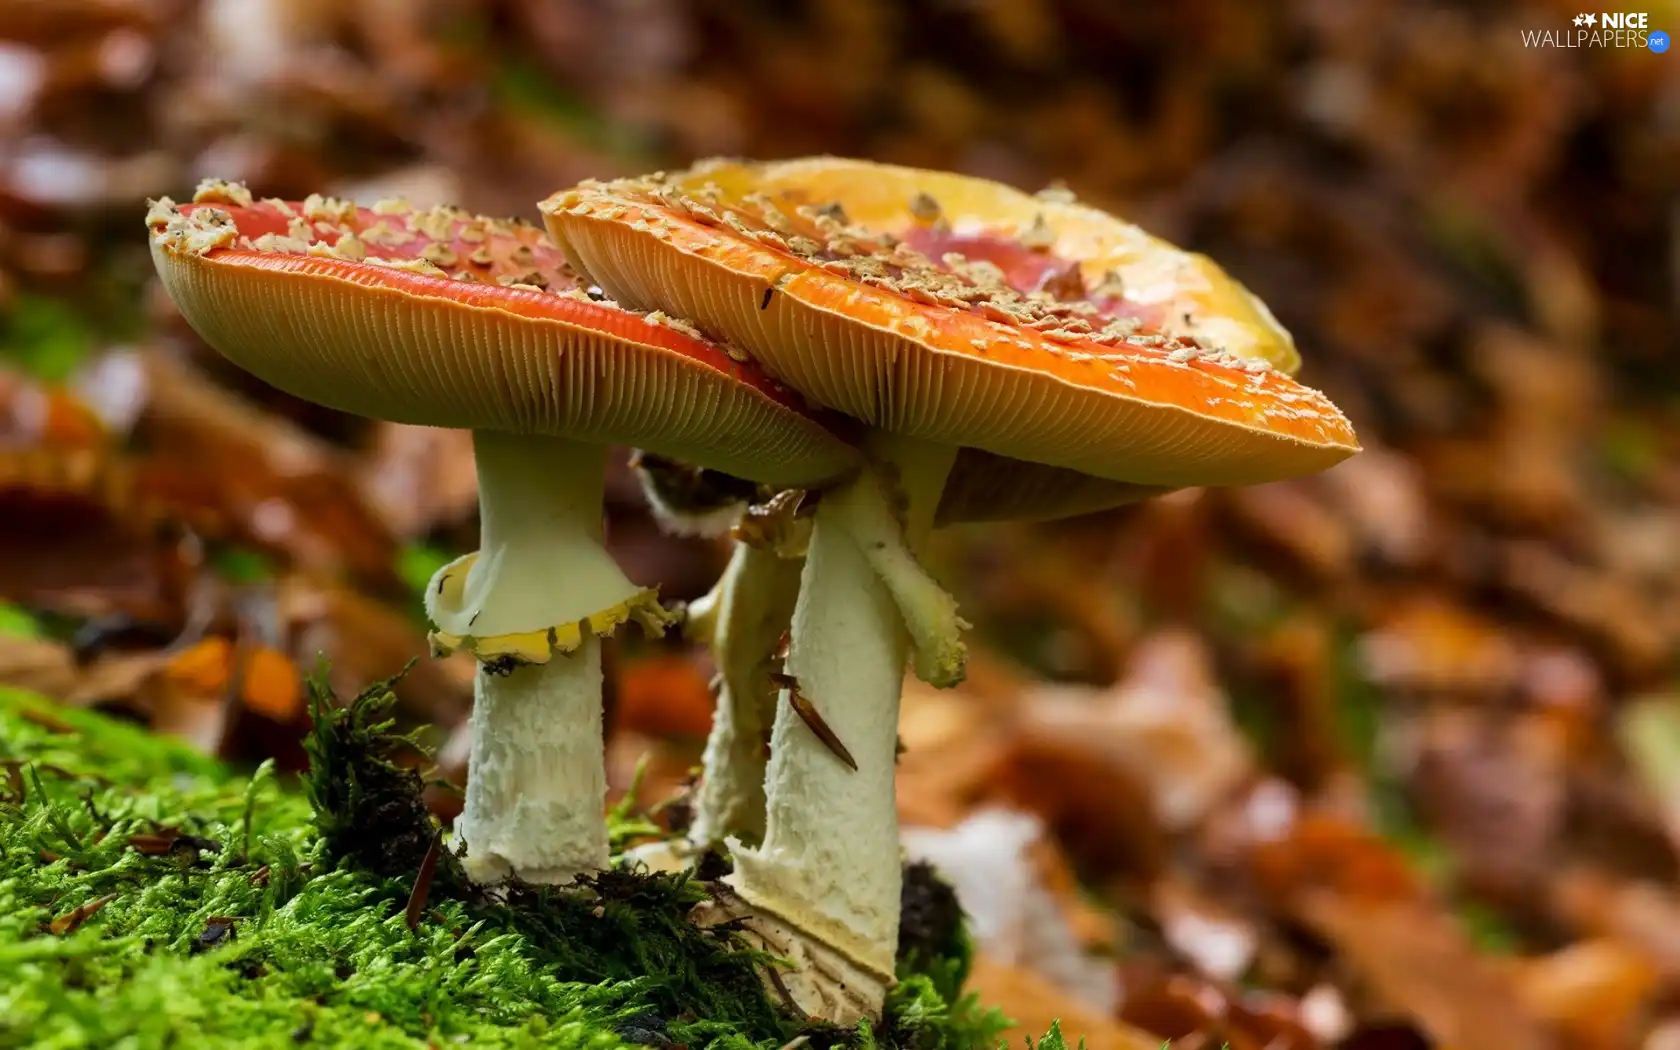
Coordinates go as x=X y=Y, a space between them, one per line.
x=1580 y=20
x=1591 y=19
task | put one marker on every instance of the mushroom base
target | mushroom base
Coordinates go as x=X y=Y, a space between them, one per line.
x=824 y=984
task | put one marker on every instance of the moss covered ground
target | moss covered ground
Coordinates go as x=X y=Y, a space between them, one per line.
x=150 y=897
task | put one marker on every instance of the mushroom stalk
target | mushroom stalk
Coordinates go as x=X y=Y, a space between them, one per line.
x=530 y=605
x=536 y=779
x=829 y=865
x=754 y=601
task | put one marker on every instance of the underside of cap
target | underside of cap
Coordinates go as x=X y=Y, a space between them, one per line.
x=985 y=487
x=860 y=321
x=446 y=319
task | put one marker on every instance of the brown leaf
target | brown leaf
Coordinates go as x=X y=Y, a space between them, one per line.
x=1494 y=786
x=277 y=486
x=813 y=719
x=1323 y=853
x=1411 y=957
x=1033 y=1003
x=70 y=921
x=1165 y=725
x=1290 y=527
x=270 y=684
x=420 y=478
x=1641 y=915
x=365 y=640
x=38 y=665
x=423 y=884
x=1432 y=646
x=1593 y=992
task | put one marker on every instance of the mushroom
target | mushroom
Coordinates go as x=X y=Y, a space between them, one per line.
x=442 y=318
x=746 y=617
x=935 y=356
x=744 y=620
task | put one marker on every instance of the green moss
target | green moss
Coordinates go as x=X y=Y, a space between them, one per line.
x=233 y=912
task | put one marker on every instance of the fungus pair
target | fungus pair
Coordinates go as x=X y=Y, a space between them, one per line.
x=446 y=319
x=913 y=348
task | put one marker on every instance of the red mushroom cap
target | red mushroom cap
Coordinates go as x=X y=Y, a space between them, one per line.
x=444 y=318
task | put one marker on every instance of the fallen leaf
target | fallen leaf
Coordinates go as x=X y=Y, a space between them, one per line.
x=70 y=921
x=39 y=665
x=1411 y=957
x=270 y=684
x=1594 y=992
x=1166 y=725
x=1034 y=1003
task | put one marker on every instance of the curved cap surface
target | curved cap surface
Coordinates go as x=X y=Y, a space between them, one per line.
x=858 y=319
x=448 y=319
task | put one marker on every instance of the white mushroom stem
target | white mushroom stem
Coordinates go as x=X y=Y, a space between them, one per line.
x=530 y=605
x=829 y=866
x=536 y=781
x=747 y=613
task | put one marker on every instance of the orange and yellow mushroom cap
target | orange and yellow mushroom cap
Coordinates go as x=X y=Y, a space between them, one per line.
x=957 y=310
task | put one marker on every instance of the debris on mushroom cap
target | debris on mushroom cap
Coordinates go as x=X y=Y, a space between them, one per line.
x=1033 y=240
x=394 y=234
x=924 y=207
x=955 y=281
x=197 y=234
x=1039 y=236
x=1141 y=402
x=482 y=324
x=218 y=191
x=1057 y=193
x=820 y=235
x=391 y=233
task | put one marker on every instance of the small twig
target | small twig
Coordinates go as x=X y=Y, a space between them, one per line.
x=812 y=718
x=782 y=990
x=423 y=882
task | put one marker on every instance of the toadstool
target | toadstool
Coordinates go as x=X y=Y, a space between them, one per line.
x=442 y=318
x=1003 y=342
x=744 y=620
